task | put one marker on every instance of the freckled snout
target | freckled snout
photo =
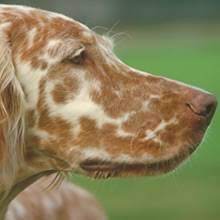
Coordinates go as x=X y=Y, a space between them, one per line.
x=204 y=105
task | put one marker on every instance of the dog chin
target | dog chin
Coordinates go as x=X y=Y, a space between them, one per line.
x=100 y=169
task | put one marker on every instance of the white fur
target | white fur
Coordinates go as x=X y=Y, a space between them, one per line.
x=30 y=80
x=162 y=126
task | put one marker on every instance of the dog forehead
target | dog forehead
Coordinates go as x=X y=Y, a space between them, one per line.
x=55 y=23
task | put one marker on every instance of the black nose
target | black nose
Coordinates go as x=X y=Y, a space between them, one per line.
x=204 y=105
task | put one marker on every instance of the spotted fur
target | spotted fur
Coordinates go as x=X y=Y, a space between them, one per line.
x=85 y=110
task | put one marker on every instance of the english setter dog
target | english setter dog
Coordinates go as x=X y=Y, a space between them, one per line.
x=68 y=104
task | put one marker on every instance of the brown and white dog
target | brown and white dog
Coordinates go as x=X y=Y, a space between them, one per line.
x=66 y=202
x=67 y=103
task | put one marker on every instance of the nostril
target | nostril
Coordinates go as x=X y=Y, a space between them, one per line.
x=192 y=108
x=203 y=105
x=208 y=106
x=209 y=109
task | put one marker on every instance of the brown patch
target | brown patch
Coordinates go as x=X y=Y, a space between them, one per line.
x=31 y=118
x=53 y=125
x=60 y=94
x=39 y=64
x=88 y=131
x=65 y=90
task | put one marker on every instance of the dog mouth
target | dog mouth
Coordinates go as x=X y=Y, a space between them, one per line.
x=100 y=169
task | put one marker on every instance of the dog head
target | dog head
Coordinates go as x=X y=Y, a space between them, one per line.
x=88 y=112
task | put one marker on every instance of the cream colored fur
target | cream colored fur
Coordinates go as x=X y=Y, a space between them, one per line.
x=12 y=125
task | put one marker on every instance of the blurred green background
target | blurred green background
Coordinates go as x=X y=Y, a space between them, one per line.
x=180 y=40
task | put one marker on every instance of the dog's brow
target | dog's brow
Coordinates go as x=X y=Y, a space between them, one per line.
x=88 y=37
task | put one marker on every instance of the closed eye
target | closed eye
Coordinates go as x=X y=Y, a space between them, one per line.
x=78 y=56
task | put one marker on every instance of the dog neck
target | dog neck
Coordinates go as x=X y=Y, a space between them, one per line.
x=6 y=196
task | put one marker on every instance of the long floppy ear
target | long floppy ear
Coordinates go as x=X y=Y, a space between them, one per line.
x=11 y=116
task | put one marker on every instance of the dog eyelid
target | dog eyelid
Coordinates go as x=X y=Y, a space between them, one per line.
x=77 y=56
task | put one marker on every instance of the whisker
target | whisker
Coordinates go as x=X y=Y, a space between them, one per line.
x=99 y=28
x=110 y=31
x=56 y=182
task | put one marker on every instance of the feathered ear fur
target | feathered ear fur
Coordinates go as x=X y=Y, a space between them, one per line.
x=11 y=116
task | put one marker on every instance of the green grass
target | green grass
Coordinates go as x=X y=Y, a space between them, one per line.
x=193 y=191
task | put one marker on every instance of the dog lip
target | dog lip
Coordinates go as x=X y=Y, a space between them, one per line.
x=118 y=169
x=148 y=169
